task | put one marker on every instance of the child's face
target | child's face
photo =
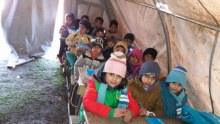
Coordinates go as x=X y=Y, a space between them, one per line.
x=68 y=21
x=98 y=23
x=133 y=59
x=110 y=44
x=113 y=79
x=82 y=29
x=129 y=42
x=96 y=50
x=175 y=87
x=148 y=57
x=148 y=79
x=112 y=28
x=120 y=48
x=99 y=34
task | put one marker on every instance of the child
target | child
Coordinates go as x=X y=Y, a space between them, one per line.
x=146 y=91
x=93 y=59
x=100 y=32
x=71 y=40
x=149 y=54
x=84 y=17
x=65 y=30
x=175 y=100
x=107 y=94
x=129 y=39
x=113 y=26
x=134 y=62
x=109 y=47
x=173 y=92
x=121 y=46
x=98 y=24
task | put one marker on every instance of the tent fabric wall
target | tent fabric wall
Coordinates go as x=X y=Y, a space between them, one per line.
x=28 y=27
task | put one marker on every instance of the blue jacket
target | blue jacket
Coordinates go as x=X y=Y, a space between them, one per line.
x=169 y=102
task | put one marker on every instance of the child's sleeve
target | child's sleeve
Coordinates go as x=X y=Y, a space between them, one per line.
x=80 y=62
x=158 y=108
x=133 y=105
x=90 y=101
x=70 y=39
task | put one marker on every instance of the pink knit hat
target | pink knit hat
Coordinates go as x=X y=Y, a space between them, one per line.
x=116 y=64
x=137 y=52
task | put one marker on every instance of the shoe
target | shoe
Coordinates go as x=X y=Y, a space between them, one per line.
x=61 y=62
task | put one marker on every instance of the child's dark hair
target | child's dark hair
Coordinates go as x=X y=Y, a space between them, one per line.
x=71 y=15
x=85 y=16
x=129 y=36
x=113 y=22
x=121 y=86
x=99 y=19
x=99 y=29
x=85 y=23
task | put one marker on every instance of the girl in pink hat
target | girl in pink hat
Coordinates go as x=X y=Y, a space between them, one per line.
x=107 y=93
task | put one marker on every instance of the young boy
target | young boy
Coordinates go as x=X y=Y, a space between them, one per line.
x=173 y=92
x=146 y=91
x=107 y=94
x=109 y=47
x=93 y=59
x=71 y=40
x=113 y=26
x=121 y=46
x=149 y=54
x=129 y=39
x=65 y=30
x=98 y=24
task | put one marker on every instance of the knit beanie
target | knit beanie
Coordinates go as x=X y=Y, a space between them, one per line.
x=97 y=41
x=150 y=51
x=116 y=64
x=150 y=67
x=137 y=52
x=123 y=44
x=179 y=75
x=86 y=23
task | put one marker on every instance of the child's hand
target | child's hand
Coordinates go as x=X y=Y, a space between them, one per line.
x=142 y=111
x=127 y=116
x=119 y=112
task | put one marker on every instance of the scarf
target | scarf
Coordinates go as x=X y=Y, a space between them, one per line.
x=179 y=99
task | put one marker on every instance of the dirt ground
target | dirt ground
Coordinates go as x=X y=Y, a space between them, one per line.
x=34 y=92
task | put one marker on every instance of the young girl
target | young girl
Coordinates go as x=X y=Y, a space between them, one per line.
x=121 y=46
x=65 y=30
x=146 y=91
x=92 y=59
x=134 y=62
x=107 y=94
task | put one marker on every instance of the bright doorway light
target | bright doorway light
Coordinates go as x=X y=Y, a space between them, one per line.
x=53 y=51
x=4 y=53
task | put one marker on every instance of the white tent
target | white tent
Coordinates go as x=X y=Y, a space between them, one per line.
x=184 y=32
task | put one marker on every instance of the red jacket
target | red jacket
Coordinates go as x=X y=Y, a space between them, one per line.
x=90 y=102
